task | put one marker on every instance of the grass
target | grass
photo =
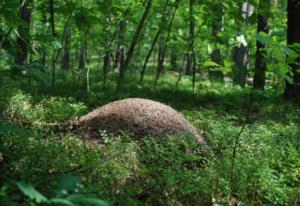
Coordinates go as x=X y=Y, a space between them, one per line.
x=151 y=171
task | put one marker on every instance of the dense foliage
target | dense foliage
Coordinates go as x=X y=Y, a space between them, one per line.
x=225 y=65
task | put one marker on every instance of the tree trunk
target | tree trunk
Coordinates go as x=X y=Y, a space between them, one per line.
x=173 y=59
x=106 y=60
x=65 y=60
x=52 y=22
x=191 y=52
x=44 y=23
x=120 y=53
x=162 y=19
x=165 y=45
x=189 y=62
x=260 y=58
x=180 y=73
x=216 y=55
x=23 y=38
x=82 y=60
x=240 y=53
x=133 y=44
x=240 y=56
x=292 y=91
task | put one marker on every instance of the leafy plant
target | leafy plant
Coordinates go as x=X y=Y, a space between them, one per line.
x=68 y=192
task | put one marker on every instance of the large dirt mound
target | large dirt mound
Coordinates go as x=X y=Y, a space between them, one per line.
x=139 y=117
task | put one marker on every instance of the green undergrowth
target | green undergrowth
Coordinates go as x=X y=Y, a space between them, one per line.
x=172 y=170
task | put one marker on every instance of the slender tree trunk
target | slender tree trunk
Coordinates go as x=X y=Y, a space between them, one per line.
x=149 y=55
x=260 y=58
x=240 y=53
x=82 y=60
x=189 y=64
x=87 y=83
x=161 y=57
x=192 y=42
x=190 y=54
x=292 y=91
x=65 y=60
x=52 y=23
x=120 y=53
x=44 y=23
x=173 y=59
x=106 y=60
x=163 y=52
x=180 y=74
x=23 y=39
x=56 y=55
x=133 y=44
x=216 y=56
x=163 y=19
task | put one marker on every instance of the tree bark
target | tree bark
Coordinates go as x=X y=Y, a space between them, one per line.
x=82 y=60
x=240 y=53
x=120 y=53
x=23 y=38
x=173 y=59
x=216 y=55
x=260 y=58
x=161 y=57
x=43 y=53
x=240 y=56
x=133 y=44
x=106 y=63
x=52 y=21
x=65 y=60
x=165 y=45
x=292 y=91
x=191 y=52
x=159 y=31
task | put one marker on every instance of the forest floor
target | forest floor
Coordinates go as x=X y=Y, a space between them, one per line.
x=150 y=171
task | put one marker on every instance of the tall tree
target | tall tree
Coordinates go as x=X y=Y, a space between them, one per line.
x=264 y=9
x=217 y=26
x=240 y=53
x=165 y=45
x=156 y=37
x=120 y=52
x=191 y=40
x=23 y=37
x=173 y=59
x=65 y=59
x=133 y=44
x=293 y=36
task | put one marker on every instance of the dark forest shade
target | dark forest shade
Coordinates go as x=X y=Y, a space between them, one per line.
x=23 y=38
x=217 y=55
x=293 y=36
x=260 y=59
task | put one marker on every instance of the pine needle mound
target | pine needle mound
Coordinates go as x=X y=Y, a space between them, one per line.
x=139 y=117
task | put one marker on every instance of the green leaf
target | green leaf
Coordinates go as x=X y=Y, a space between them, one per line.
x=263 y=38
x=82 y=200
x=32 y=193
x=56 y=45
x=210 y=64
x=61 y=201
x=289 y=79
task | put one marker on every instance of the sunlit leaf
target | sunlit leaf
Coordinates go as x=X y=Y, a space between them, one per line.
x=32 y=193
